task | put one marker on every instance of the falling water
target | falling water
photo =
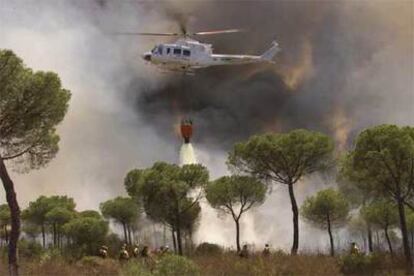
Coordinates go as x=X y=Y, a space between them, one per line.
x=187 y=155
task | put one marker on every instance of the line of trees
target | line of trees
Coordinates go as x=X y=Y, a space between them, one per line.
x=170 y=195
x=375 y=179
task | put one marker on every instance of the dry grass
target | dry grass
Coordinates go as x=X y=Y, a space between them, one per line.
x=277 y=264
x=60 y=267
x=213 y=265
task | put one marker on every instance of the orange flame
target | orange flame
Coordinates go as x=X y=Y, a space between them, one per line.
x=295 y=75
x=341 y=126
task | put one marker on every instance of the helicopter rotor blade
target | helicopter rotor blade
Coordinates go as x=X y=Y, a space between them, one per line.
x=228 y=31
x=148 y=34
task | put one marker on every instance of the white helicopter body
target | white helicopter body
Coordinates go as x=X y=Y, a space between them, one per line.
x=188 y=54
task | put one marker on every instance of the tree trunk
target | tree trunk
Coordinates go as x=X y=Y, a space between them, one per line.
x=6 y=235
x=179 y=241
x=328 y=220
x=412 y=240
x=15 y=217
x=43 y=236
x=295 y=212
x=173 y=239
x=237 y=235
x=54 y=235
x=404 y=233
x=369 y=231
x=190 y=237
x=129 y=235
x=164 y=235
x=125 y=233
x=388 y=240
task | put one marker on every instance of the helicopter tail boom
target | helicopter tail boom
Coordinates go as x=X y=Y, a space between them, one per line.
x=271 y=52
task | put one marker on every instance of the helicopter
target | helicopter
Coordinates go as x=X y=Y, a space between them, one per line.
x=187 y=54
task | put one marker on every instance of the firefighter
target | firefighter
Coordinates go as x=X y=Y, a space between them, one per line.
x=160 y=251
x=164 y=250
x=354 y=249
x=135 y=251
x=244 y=253
x=266 y=251
x=123 y=254
x=103 y=252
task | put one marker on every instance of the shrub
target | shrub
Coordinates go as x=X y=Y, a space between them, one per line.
x=174 y=265
x=361 y=264
x=114 y=243
x=206 y=248
x=90 y=261
x=134 y=268
x=29 y=249
x=92 y=265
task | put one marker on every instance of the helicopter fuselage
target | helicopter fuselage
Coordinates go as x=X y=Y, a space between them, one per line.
x=188 y=54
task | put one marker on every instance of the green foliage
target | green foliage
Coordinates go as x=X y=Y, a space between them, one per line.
x=327 y=203
x=121 y=209
x=209 y=249
x=90 y=214
x=174 y=265
x=31 y=230
x=235 y=194
x=359 y=264
x=384 y=156
x=31 y=105
x=169 y=193
x=92 y=261
x=133 y=182
x=191 y=217
x=30 y=249
x=410 y=220
x=381 y=213
x=134 y=269
x=59 y=215
x=53 y=211
x=38 y=210
x=4 y=215
x=354 y=183
x=114 y=243
x=283 y=157
x=87 y=233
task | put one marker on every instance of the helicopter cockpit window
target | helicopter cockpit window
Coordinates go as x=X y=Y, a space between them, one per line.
x=177 y=51
x=186 y=53
x=168 y=51
x=154 y=50
x=160 y=49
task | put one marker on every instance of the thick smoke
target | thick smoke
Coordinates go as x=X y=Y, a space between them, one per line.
x=344 y=66
x=335 y=74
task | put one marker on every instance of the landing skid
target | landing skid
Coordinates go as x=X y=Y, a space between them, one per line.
x=187 y=72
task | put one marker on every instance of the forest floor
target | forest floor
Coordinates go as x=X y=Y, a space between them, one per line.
x=220 y=265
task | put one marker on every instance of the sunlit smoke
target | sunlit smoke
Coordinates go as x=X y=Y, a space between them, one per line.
x=341 y=127
x=294 y=75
